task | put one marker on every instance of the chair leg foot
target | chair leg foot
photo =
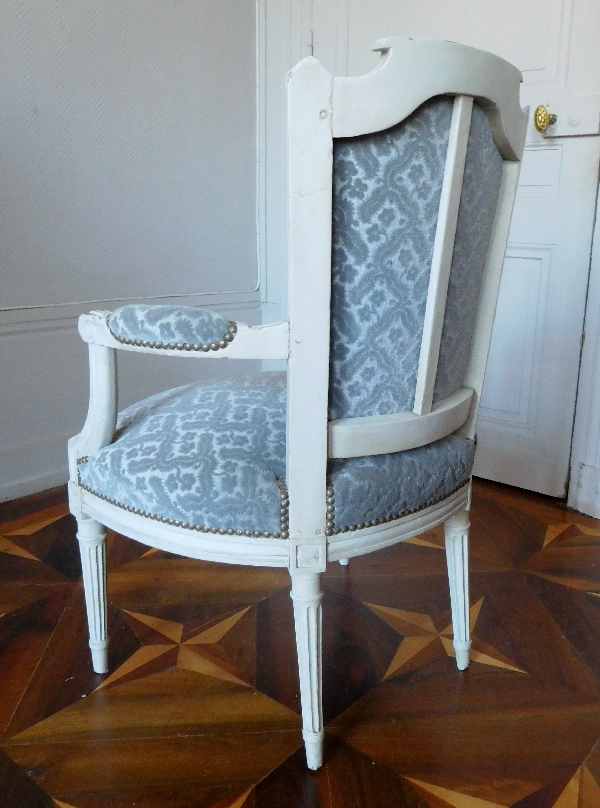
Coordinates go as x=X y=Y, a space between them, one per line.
x=306 y=594
x=344 y=562
x=456 y=530
x=100 y=657
x=92 y=547
x=313 y=745
x=462 y=656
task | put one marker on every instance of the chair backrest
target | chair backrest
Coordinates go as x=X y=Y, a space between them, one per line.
x=416 y=165
x=386 y=201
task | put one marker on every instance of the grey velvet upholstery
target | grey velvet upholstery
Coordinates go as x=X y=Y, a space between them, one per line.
x=171 y=326
x=204 y=454
x=369 y=489
x=209 y=455
x=387 y=190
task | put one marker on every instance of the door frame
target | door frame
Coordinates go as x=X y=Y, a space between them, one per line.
x=584 y=485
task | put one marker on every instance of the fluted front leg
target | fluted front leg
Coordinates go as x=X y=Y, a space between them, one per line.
x=456 y=530
x=92 y=546
x=307 y=595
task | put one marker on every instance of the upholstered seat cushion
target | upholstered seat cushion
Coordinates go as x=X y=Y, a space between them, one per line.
x=207 y=454
x=212 y=455
x=169 y=326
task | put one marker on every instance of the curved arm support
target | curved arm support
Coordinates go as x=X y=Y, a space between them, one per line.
x=399 y=431
x=101 y=420
x=251 y=342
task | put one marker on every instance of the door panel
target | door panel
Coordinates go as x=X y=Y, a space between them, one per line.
x=528 y=399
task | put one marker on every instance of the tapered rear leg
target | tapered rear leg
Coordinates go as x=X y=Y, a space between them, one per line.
x=307 y=595
x=92 y=547
x=456 y=530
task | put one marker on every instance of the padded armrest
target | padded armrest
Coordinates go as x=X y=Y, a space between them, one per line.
x=142 y=329
x=170 y=327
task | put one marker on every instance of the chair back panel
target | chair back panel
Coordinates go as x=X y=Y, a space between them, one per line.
x=386 y=196
x=479 y=198
x=386 y=190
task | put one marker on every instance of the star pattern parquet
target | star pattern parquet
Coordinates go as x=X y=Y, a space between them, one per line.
x=200 y=707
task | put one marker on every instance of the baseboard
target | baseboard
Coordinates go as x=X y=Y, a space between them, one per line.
x=31 y=485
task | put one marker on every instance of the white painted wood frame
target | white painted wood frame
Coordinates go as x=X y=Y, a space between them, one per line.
x=424 y=68
x=456 y=533
x=443 y=248
x=398 y=431
x=584 y=486
x=320 y=107
x=310 y=166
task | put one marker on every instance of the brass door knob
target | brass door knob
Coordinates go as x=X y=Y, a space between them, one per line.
x=543 y=119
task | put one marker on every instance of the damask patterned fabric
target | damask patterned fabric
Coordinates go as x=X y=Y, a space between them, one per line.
x=368 y=488
x=204 y=454
x=172 y=325
x=483 y=174
x=386 y=197
x=210 y=454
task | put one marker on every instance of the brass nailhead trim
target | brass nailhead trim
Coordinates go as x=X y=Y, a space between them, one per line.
x=330 y=530
x=393 y=517
x=182 y=346
x=257 y=534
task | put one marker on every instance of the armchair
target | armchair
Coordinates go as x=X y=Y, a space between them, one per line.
x=401 y=186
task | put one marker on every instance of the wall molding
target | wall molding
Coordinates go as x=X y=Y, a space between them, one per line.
x=72 y=309
x=554 y=76
x=519 y=416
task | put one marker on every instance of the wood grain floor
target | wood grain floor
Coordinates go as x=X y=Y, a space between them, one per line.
x=200 y=706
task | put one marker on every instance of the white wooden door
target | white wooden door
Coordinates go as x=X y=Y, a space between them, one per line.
x=528 y=401
x=529 y=397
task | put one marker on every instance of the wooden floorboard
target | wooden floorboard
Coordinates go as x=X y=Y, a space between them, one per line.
x=200 y=707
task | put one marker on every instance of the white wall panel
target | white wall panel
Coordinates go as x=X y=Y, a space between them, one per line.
x=128 y=149
x=127 y=172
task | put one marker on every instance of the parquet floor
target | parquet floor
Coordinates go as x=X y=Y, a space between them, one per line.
x=200 y=707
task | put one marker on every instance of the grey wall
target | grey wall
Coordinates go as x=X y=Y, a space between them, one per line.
x=127 y=171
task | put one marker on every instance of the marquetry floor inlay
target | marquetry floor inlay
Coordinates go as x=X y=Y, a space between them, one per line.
x=200 y=708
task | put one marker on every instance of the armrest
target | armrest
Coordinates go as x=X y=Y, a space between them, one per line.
x=143 y=329
x=169 y=327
